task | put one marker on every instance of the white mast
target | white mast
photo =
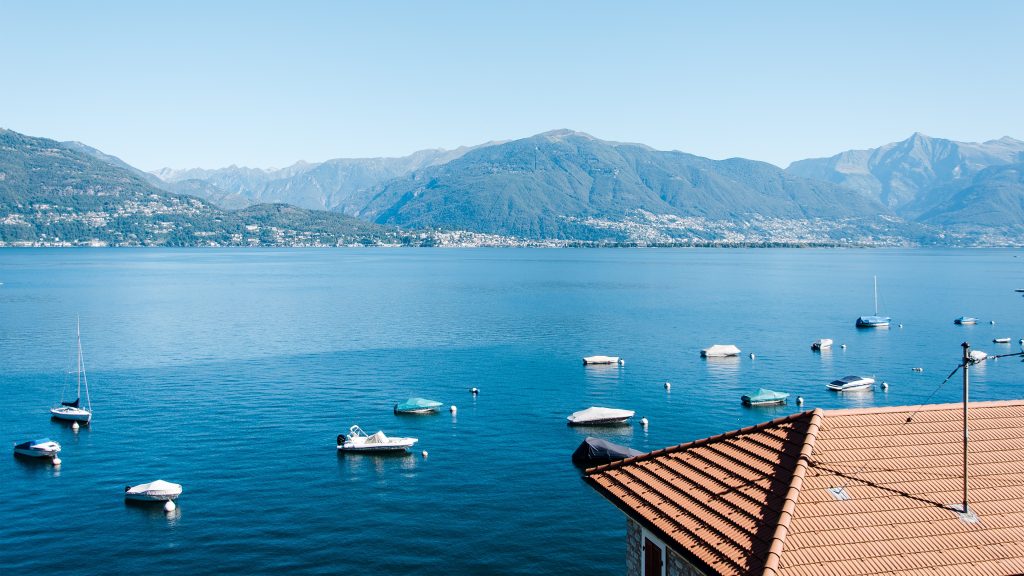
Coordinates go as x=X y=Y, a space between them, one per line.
x=876 y=295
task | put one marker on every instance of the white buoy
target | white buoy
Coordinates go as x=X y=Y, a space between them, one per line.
x=799 y=400
x=56 y=461
x=170 y=506
x=885 y=385
x=643 y=422
x=843 y=346
x=475 y=391
x=622 y=362
x=74 y=426
x=901 y=325
x=425 y=454
x=668 y=385
x=453 y=409
x=752 y=356
x=992 y=322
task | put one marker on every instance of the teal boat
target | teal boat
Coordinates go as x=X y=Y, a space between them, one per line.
x=417 y=406
x=765 y=397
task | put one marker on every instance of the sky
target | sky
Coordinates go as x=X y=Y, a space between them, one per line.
x=265 y=84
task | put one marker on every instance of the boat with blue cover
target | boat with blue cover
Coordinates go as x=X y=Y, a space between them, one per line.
x=874 y=320
x=765 y=397
x=38 y=448
x=417 y=406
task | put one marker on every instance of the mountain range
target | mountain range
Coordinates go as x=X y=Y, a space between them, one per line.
x=568 y=186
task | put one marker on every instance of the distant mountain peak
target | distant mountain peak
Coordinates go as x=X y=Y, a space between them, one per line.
x=564 y=133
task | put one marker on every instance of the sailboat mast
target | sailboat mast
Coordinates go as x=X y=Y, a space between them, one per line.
x=876 y=295
x=78 y=370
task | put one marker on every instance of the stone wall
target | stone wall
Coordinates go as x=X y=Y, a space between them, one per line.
x=634 y=547
x=678 y=566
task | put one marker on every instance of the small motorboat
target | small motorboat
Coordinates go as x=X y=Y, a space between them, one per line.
x=155 y=491
x=720 y=351
x=965 y=320
x=39 y=448
x=597 y=416
x=851 y=384
x=1001 y=340
x=603 y=360
x=595 y=452
x=977 y=356
x=358 y=441
x=764 y=397
x=417 y=406
x=822 y=344
x=1018 y=289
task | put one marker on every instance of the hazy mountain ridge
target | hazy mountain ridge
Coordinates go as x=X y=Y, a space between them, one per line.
x=913 y=177
x=546 y=186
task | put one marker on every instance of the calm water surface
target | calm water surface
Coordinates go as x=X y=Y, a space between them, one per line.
x=232 y=371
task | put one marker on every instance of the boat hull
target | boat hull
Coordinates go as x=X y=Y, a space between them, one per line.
x=601 y=422
x=397 y=447
x=854 y=388
x=764 y=402
x=417 y=411
x=33 y=453
x=71 y=414
x=602 y=360
x=152 y=497
x=873 y=322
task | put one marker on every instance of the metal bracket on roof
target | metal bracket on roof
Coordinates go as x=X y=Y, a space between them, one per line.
x=967 y=516
x=839 y=493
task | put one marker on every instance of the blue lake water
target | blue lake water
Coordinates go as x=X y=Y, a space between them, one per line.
x=232 y=371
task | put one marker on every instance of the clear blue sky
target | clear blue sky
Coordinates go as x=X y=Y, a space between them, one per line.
x=208 y=84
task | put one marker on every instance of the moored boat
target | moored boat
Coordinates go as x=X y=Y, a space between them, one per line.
x=822 y=344
x=851 y=384
x=73 y=411
x=155 y=491
x=977 y=356
x=720 y=351
x=595 y=452
x=39 y=448
x=417 y=406
x=358 y=441
x=764 y=397
x=598 y=416
x=965 y=320
x=1001 y=340
x=603 y=360
x=874 y=320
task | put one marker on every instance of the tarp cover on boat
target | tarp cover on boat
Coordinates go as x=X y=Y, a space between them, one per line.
x=764 y=395
x=595 y=451
x=413 y=404
x=378 y=438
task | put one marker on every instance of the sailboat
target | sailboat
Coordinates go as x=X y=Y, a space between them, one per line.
x=875 y=321
x=73 y=410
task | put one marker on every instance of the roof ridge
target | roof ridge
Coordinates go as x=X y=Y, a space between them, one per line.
x=774 y=556
x=924 y=407
x=703 y=441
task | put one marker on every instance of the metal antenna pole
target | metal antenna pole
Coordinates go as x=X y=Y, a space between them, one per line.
x=967 y=361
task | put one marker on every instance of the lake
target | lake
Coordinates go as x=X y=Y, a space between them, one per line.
x=232 y=371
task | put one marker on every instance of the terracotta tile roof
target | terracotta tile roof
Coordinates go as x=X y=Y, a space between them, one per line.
x=757 y=500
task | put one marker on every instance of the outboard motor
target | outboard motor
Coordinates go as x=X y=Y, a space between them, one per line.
x=341 y=439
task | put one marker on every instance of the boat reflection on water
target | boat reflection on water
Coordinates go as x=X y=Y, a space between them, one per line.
x=379 y=462
x=154 y=510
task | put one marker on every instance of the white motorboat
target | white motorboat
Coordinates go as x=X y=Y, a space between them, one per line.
x=73 y=411
x=851 y=384
x=720 y=351
x=603 y=360
x=39 y=448
x=155 y=491
x=358 y=441
x=821 y=344
x=1001 y=340
x=597 y=416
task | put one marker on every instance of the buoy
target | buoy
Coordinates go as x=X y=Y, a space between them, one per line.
x=453 y=409
x=918 y=369
x=475 y=390
x=992 y=322
x=799 y=400
x=843 y=346
x=622 y=362
x=752 y=356
x=885 y=385
x=170 y=506
x=901 y=325
x=668 y=385
x=56 y=461
x=643 y=422
x=425 y=454
x=74 y=426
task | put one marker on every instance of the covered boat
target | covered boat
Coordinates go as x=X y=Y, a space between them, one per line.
x=358 y=441
x=965 y=320
x=765 y=397
x=598 y=416
x=38 y=448
x=155 y=491
x=603 y=360
x=851 y=384
x=595 y=452
x=720 y=351
x=821 y=344
x=417 y=406
x=977 y=356
x=1001 y=340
